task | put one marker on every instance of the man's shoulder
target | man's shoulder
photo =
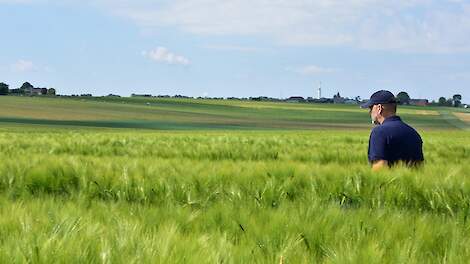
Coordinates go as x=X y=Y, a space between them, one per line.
x=396 y=124
x=410 y=129
x=398 y=129
x=379 y=130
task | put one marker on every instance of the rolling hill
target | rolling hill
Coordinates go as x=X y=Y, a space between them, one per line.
x=192 y=114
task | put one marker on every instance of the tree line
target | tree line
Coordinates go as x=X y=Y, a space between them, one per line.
x=25 y=89
x=456 y=100
x=402 y=97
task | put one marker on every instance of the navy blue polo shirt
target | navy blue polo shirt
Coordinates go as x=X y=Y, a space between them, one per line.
x=394 y=141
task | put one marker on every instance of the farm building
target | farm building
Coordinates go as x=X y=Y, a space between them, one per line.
x=35 y=91
x=419 y=102
x=295 y=99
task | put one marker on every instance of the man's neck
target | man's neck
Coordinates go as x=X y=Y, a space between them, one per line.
x=382 y=118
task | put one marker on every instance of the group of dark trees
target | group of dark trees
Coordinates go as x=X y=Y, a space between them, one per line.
x=4 y=89
x=25 y=89
x=403 y=98
x=456 y=100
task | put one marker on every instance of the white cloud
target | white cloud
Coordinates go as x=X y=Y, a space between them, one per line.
x=436 y=26
x=23 y=66
x=162 y=54
x=403 y=25
x=312 y=70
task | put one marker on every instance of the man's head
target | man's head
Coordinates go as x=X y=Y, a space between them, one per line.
x=382 y=104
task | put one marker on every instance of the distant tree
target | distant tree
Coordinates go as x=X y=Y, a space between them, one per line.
x=449 y=102
x=26 y=88
x=43 y=91
x=51 y=91
x=15 y=91
x=403 y=98
x=26 y=85
x=4 y=89
x=442 y=101
x=457 y=99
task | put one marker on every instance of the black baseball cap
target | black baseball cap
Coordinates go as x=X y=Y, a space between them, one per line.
x=380 y=97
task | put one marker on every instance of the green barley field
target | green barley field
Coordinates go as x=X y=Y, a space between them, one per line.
x=137 y=180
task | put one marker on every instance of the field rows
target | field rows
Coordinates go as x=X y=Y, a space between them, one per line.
x=186 y=114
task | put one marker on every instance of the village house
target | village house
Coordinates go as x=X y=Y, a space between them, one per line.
x=338 y=99
x=35 y=91
x=419 y=102
x=295 y=99
x=29 y=90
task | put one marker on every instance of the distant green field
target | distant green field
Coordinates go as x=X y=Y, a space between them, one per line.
x=191 y=114
x=136 y=180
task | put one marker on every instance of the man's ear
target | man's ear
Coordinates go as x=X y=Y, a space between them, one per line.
x=380 y=108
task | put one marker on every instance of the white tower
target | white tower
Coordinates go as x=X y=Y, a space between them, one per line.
x=319 y=91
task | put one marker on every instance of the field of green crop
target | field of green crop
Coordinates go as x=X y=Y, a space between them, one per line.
x=175 y=181
x=185 y=114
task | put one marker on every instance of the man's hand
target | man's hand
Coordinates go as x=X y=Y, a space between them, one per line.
x=379 y=165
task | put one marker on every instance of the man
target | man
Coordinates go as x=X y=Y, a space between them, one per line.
x=392 y=140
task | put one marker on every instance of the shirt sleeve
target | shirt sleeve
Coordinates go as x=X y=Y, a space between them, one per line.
x=377 y=146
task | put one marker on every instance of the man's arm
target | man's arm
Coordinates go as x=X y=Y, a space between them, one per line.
x=379 y=165
x=378 y=149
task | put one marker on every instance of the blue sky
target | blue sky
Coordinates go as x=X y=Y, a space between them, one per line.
x=238 y=47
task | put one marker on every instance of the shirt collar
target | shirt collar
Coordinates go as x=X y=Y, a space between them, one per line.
x=392 y=118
